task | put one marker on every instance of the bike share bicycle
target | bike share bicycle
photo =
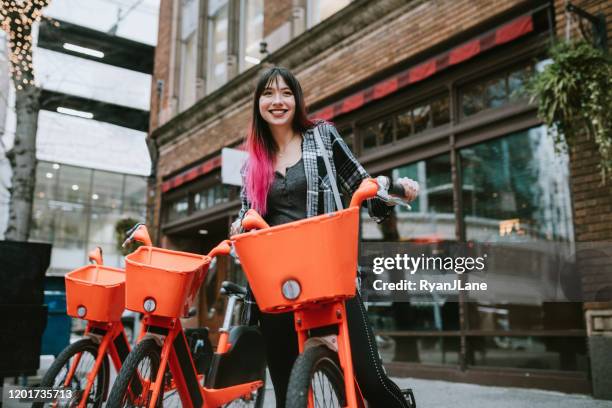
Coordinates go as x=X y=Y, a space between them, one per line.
x=162 y=284
x=94 y=293
x=309 y=267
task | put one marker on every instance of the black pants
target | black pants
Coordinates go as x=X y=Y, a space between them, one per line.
x=282 y=350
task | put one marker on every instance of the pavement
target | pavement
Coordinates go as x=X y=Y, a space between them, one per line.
x=441 y=394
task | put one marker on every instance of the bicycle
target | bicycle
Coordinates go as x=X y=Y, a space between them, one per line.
x=162 y=284
x=94 y=293
x=299 y=257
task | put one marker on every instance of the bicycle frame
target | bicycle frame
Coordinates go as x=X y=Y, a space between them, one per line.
x=176 y=354
x=112 y=339
x=328 y=314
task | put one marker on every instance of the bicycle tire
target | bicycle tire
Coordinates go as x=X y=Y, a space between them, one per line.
x=62 y=361
x=147 y=348
x=309 y=367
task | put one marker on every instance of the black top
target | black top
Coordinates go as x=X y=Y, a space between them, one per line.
x=287 y=196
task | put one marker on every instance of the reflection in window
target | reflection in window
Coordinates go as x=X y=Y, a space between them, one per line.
x=416 y=119
x=547 y=353
x=210 y=197
x=189 y=52
x=218 y=43
x=378 y=134
x=430 y=220
x=516 y=188
x=107 y=189
x=431 y=215
x=76 y=209
x=178 y=209
x=495 y=92
x=251 y=24
x=74 y=184
x=135 y=193
x=319 y=10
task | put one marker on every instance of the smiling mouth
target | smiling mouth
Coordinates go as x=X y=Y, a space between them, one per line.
x=278 y=112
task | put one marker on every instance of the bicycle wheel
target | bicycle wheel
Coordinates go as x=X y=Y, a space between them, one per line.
x=57 y=374
x=317 y=369
x=139 y=368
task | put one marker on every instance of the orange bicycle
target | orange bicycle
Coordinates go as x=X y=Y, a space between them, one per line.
x=310 y=269
x=162 y=284
x=95 y=293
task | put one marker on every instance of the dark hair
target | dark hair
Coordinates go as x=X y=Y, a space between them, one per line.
x=261 y=145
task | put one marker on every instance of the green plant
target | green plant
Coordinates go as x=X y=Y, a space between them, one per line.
x=121 y=227
x=574 y=97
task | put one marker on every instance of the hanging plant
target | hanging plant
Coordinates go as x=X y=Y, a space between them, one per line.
x=574 y=98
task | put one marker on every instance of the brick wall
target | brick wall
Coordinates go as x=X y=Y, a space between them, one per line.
x=592 y=199
x=276 y=13
x=405 y=33
x=161 y=67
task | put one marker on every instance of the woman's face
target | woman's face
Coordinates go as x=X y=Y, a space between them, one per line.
x=277 y=103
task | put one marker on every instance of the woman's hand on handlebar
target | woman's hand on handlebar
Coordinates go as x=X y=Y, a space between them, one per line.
x=235 y=228
x=401 y=191
x=411 y=188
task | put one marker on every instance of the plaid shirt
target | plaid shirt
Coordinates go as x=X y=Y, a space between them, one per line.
x=345 y=167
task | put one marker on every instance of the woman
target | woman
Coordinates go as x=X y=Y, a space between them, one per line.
x=285 y=180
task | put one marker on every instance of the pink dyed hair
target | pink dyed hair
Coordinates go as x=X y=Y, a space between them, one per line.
x=261 y=145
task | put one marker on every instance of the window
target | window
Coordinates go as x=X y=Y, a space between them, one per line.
x=251 y=26
x=495 y=91
x=516 y=188
x=218 y=28
x=189 y=52
x=199 y=199
x=178 y=208
x=413 y=120
x=319 y=10
x=210 y=197
x=77 y=209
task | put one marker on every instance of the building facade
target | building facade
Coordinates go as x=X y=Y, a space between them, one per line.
x=93 y=162
x=426 y=89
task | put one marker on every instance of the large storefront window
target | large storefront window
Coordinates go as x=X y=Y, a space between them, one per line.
x=77 y=209
x=431 y=219
x=515 y=189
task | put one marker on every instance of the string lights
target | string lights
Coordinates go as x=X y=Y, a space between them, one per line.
x=16 y=19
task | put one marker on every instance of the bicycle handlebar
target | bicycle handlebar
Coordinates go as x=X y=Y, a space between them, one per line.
x=138 y=233
x=369 y=188
x=223 y=248
x=252 y=220
x=95 y=256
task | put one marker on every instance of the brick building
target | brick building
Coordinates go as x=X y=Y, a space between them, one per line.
x=433 y=90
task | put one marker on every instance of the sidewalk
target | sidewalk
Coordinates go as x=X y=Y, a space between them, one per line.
x=442 y=394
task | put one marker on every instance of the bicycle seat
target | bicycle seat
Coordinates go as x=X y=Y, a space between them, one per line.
x=230 y=288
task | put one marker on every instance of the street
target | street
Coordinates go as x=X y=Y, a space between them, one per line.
x=438 y=394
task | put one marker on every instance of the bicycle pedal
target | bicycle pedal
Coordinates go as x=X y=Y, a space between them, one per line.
x=409 y=396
